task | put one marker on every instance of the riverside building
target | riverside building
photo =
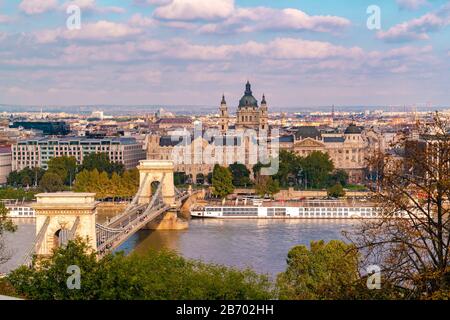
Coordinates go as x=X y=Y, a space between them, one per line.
x=33 y=153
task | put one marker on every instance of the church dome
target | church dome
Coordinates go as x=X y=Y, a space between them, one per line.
x=248 y=100
x=353 y=129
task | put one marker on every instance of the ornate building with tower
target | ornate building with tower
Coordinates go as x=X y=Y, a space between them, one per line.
x=249 y=115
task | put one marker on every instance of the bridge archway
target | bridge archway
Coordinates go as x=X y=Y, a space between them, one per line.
x=161 y=171
x=61 y=217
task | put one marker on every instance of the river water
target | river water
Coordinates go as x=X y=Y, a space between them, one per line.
x=259 y=244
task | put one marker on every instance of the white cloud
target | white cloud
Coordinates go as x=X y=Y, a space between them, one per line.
x=224 y=17
x=91 y=5
x=158 y=2
x=195 y=9
x=417 y=29
x=280 y=48
x=101 y=30
x=262 y=18
x=139 y=20
x=32 y=7
x=411 y=4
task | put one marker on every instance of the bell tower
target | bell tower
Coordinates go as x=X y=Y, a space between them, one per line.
x=224 y=117
x=263 y=115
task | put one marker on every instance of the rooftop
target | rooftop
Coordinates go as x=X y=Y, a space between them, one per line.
x=121 y=140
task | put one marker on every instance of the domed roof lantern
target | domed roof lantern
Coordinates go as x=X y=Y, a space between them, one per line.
x=248 y=89
x=263 y=101
x=223 y=100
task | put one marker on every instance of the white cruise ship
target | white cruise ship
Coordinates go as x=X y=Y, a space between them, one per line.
x=19 y=209
x=291 y=210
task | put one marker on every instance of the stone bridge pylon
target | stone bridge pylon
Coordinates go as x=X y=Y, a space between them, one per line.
x=63 y=216
x=162 y=172
x=159 y=171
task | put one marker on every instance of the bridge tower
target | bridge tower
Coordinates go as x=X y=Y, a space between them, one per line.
x=62 y=216
x=160 y=171
x=157 y=171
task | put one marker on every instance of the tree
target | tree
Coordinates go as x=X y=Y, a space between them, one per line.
x=117 y=186
x=412 y=251
x=290 y=165
x=209 y=178
x=325 y=271
x=25 y=178
x=317 y=167
x=20 y=194
x=265 y=185
x=336 y=191
x=241 y=175
x=179 y=178
x=6 y=225
x=339 y=176
x=65 y=167
x=51 y=182
x=101 y=162
x=120 y=277
x=222 y=181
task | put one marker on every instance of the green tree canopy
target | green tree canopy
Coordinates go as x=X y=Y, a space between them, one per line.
x=101 y=162
x=25 y=178
x=339 y=176
x=120 y=277
x=6 y=225
x=51 y=182
x=317 y=167
x=65 y=167
x=241 y=175
x=290 y=165
x=124 y=186
x=325 y=271
x=336 y=191
x=222 y=181
x=20 y=194
x=179 y=178
x=265 y=185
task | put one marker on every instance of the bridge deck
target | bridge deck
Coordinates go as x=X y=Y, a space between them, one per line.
x=112 y=235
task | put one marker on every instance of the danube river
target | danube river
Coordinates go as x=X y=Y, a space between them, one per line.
x=259 y=244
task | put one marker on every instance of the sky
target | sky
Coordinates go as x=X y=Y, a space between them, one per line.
x=299 y=53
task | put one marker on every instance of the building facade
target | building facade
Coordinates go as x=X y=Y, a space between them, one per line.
x=5 y=163
x=37 y=152
x=197 y=156
x=348 y=150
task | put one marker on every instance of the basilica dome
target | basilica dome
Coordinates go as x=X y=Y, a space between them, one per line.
x=248 y=100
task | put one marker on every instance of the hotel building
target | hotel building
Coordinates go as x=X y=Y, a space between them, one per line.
x=37 y=152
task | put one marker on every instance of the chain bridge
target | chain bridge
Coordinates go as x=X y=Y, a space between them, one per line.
x=63 y=216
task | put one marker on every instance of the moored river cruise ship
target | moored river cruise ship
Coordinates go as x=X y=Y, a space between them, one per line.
x=292 y=210
x=19 y=209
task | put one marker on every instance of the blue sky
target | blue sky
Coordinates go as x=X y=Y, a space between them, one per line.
x=188 y=52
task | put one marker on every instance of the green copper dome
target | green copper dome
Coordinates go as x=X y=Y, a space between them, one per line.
x=248 y=100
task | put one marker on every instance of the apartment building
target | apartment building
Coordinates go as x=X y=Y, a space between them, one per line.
x=37 y=152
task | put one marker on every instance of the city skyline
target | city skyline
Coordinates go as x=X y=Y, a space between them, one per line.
x=186 y=52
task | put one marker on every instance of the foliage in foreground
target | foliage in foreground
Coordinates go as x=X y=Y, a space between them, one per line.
x=328 y=271
x=325 y=271
x=157 y=275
